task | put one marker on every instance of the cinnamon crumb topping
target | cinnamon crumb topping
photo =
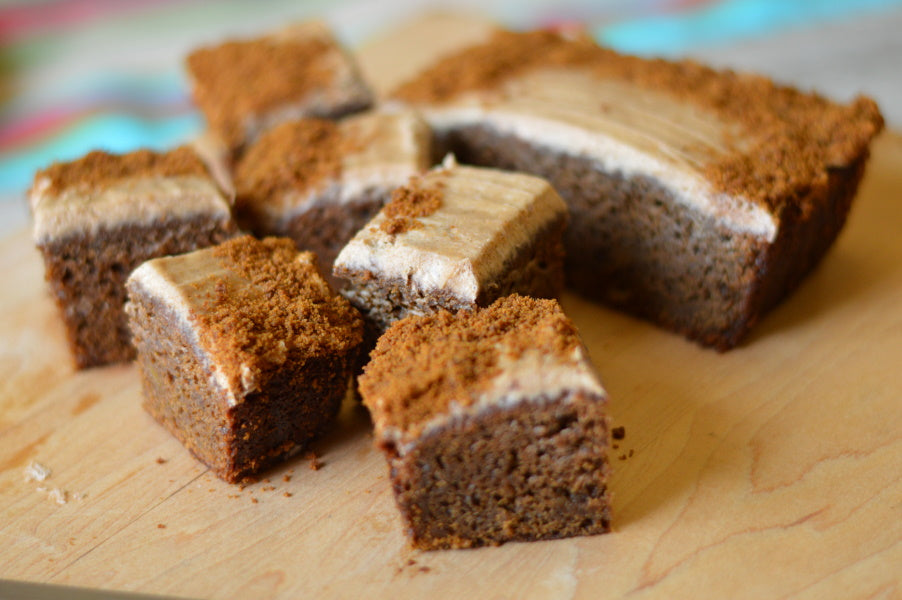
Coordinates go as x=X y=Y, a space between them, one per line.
x=240 y=78
x=292 y=156
x=791 y=139
x=99 y=169
x=411 y=377
x=409 y=203
x=287 y=311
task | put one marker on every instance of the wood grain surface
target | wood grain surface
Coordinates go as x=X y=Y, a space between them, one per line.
x=772 y=471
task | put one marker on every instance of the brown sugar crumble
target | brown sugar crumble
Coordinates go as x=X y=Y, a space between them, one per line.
x=409 y=203
x=292 y=156
x=99 y=169
x=789 y=138
x=458 y=369
x=246 y=77
x=315 y=464
x=300 y=308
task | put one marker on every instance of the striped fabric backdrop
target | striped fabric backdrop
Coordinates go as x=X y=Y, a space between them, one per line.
x=83 y=74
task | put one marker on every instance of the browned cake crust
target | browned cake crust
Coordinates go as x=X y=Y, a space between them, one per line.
x=285 y=344
x=529 y=470
x=629 y=244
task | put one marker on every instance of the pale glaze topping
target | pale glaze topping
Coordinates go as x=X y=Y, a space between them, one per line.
x=484 y=217
x=135 y=200
x=626 y=128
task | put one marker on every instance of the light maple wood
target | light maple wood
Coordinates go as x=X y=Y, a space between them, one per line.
x=772 y=471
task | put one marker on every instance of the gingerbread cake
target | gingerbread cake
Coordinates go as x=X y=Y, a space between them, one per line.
x=245 y=87
x=319 y=182
x=699 y=198
x=493 y=425
x=99 y=217
x=245 y=352
x=457 y=237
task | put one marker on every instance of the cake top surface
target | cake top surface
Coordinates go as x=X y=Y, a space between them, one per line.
x=107 y=190
x=427 y=369
x=777 y=140
x=453 y=229
x=253 y=305
x=241 y=78
x=410 y=203
x=296 y=160
x=99 y=169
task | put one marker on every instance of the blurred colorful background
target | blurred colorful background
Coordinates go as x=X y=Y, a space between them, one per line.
x=76 y=75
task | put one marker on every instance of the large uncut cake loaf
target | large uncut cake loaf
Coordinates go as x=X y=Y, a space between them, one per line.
x=699 y=198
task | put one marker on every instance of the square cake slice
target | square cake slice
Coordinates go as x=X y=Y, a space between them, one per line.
x=699 y=198
x=457 y=237
x=245 y=87
x=319 y=182
x=99 y=217
x=245 y=351
x=493 y=424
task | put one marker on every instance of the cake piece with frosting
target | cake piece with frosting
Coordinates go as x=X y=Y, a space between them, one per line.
x=99 y=217
x=699 y=198
x=319 y=182
x=456 y=238
x=245 y=87
x=245 y=352
x=493 y=425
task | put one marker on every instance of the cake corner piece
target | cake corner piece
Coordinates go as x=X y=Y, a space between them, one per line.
x=98 y=217
x=456 y=238
x=245 y=352
x=493 y=423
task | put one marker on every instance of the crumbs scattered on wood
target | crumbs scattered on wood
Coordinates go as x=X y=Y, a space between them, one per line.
x=315 y=463
x=618 y=433
x=35 y=471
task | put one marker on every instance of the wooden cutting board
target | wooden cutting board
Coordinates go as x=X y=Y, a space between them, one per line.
x=772 y=471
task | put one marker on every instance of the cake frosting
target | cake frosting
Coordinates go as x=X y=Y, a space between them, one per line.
x=484 y=216
x=378 y=151
x=138 y=200
x=625 y=128
x=181 y=283
x=531 y=377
